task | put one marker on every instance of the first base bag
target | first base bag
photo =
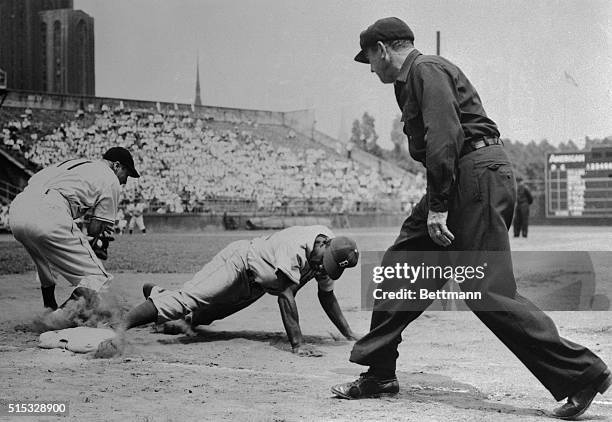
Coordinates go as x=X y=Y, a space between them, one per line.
x=78 y=340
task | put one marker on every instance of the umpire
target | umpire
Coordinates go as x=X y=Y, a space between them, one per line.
x=468 y=207
x=521 y=213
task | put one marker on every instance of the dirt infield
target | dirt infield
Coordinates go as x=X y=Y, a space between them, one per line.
x=451 y=367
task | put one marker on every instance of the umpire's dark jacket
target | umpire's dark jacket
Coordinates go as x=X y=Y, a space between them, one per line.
x=439 y=102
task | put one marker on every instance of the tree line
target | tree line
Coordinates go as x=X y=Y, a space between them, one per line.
x=528 y=158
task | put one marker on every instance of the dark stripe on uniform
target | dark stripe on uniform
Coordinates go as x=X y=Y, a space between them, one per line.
x=64 y=162
x=79 y=164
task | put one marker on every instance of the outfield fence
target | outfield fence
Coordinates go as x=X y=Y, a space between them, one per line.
x=283 y=207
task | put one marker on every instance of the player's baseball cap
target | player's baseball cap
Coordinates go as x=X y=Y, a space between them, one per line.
x=385 y=29
x=123 y=156
x=341 y=253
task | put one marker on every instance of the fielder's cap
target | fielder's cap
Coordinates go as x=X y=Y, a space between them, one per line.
x=123 y=156
x=385 y=29
x=341 y=253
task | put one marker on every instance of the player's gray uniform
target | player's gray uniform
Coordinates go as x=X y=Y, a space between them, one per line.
x=241 y=273
x=42 y=219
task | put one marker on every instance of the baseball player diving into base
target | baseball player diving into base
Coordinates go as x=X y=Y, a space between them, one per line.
x=241 y=273
x=42 y=219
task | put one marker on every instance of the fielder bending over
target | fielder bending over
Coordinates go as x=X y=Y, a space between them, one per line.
x=279 y=264
x=42 y=219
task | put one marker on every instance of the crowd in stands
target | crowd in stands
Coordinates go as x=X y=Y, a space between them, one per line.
x=186 y=162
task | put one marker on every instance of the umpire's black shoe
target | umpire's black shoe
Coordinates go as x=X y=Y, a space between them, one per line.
x=579 y=402
x=367 y=385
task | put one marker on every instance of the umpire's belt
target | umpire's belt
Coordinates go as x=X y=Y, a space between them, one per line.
x=473 y=144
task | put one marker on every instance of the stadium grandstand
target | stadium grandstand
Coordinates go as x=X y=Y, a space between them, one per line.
x=205 y=159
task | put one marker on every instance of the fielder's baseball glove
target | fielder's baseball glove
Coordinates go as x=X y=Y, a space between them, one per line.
x=100 y=246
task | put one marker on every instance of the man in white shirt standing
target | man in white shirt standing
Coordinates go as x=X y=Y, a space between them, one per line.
x=136 y=211
x=42 y=219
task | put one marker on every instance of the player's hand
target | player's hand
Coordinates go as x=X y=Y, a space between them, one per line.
x=109 y=231
x=436 y=226
x=179 y=326
x=307 y=350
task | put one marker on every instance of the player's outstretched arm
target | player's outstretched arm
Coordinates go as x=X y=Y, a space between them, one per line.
x=330 y=305
x=291 y=320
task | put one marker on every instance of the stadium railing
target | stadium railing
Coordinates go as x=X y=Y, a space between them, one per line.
x=8 y=192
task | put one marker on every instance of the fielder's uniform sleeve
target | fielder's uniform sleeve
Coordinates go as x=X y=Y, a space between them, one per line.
x=106 y=207
x=443 y=133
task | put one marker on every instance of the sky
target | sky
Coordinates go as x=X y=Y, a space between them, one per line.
x=543 y=68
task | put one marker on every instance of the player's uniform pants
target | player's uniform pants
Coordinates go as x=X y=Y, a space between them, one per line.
x=42 y=223
x=137 y=221
x=222 y=287
x=521 y=220
x=121 y=225
x=480 y=214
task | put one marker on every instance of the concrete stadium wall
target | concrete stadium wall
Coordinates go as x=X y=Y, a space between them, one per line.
x=36 y=100
x=301 y=121
x=570 y=221
x=185 y=223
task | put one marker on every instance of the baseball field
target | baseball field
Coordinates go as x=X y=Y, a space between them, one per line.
x=451 y=367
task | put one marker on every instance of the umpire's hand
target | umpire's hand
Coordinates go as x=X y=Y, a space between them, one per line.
x=436 y=226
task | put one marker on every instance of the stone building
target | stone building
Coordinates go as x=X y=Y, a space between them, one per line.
x=46 y=46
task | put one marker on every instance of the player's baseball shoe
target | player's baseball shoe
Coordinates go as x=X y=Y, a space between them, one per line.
x=367 y=385
x=146 y=289
x=149 y=288
x=579 y=402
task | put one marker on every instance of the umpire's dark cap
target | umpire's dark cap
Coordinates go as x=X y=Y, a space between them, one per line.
x=123 y=156
x=385 y=29
x=341 y=253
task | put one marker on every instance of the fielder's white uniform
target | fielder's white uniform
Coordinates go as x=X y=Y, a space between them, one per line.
x=241 y=273
x=136 y=219
x=120 y=222
x=42 y=219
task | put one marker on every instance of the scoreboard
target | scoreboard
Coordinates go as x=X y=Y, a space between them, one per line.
x=579 y=184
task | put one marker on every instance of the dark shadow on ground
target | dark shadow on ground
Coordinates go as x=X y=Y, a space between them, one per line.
x=421 y=387
x=275 y=339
